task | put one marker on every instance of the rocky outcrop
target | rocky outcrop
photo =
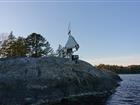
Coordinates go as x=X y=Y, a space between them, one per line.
x=50 y=80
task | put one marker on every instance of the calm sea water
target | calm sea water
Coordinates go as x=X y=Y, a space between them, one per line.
x=128 y=93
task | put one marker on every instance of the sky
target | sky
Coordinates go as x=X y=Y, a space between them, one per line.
x=108 y=31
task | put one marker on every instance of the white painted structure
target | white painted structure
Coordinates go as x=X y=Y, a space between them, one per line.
x=71 y=43
x=71 y=46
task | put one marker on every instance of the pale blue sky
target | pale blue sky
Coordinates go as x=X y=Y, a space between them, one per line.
x=108 y=31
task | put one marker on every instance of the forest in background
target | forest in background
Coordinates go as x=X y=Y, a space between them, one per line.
x=132 y=69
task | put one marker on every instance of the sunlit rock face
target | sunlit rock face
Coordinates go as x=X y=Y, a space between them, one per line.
x=49 y=80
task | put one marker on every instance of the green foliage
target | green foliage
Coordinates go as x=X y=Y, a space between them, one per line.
x=132 y=69
x=19 y=47
x=34 y=45
x=37 y=45
x=13 y=47
x=47 y=50
x=7 y=48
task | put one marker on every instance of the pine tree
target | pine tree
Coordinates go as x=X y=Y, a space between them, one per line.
x=47 y=50
x=13 y=47
x=37 y=45
x=19 y=47
x=7 y=46
x=34 y=45
x=60 y=52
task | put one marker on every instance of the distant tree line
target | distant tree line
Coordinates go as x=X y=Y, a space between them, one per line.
x=34 y=45
x=132 y=69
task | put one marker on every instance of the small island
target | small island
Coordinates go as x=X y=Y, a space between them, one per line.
x=32 y=74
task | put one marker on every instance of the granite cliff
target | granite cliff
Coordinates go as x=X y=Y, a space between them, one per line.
x=52 y=80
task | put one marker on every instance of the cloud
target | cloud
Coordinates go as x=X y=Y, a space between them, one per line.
x=124 y=60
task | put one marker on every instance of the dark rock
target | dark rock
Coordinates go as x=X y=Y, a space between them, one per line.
x=51 y=80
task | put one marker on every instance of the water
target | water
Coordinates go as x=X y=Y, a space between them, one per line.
x=128 y=93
